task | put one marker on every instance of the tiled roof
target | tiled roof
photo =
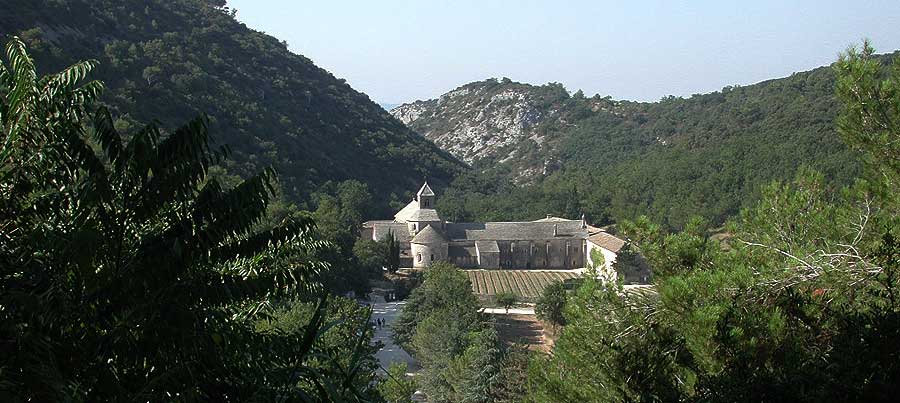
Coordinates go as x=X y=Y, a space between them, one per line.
x=404 y=214
x=429 y=235
x=514 y=231
x=461 y=251
x=607 y=241
x=425 y=214
x=425 y=190
x=551 y=219
x=399 y=229
x=487 y=246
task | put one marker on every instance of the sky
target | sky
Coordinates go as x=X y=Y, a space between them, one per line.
x=402 y=51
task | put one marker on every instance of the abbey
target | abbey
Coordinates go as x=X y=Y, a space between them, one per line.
x=548 y=243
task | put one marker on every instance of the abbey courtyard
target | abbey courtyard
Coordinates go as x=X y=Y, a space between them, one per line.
x=550 y=243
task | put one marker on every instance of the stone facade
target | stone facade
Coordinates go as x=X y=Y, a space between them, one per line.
x=549 y=243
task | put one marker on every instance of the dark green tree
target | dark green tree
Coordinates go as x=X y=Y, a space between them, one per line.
x=127 y=273
x=551 y=305
x=393 y=253
x=444 y=288
x=800 y=306
x=506 y=299
x=396 y=386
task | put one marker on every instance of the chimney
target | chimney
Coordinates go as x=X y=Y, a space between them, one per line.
x=583 y=221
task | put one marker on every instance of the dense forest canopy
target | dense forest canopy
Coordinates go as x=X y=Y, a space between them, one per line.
x=707 y=155
x=129 y=273
x=175 y=59
x=800 y=303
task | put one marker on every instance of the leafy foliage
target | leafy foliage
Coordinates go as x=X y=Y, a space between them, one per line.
x=800 y=305
x=396 y=387
x=550 y=307
x=708 y=155
x=128 y=273
x=506 y=299
x=459 y=352
x=444 y=288
x=178 y=59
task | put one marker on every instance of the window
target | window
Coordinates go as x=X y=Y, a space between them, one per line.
x=419 y=257
x=432 y=257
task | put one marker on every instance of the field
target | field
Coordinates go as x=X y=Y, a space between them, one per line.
x=526 y=284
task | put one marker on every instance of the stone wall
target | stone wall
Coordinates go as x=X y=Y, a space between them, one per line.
x=562 y=253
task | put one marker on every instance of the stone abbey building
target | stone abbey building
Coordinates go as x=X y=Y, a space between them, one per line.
x=549 y=243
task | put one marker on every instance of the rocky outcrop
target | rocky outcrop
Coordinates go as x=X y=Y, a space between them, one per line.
x=492 y=121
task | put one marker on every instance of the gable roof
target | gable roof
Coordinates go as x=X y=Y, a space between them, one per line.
x=551 y=218
x=425 y=214
x=607 y=241
x=516 y=231
x=487 y=246
x=425 y=190
x=407 y=211
x=381 y=229
x=429 y=235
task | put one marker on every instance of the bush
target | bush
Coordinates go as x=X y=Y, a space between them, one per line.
x=506 y=299
x=551 y=305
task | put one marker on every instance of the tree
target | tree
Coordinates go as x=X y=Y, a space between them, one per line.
x=551 y=305
x=800 y=307
x=870 y=120
x=396 y=386
x=444 y=288
x=458 y=350
x=512 y=384
x=371 y=255
x=127 y=273
x=475 y=374
x=393 y=253
x=506 y=299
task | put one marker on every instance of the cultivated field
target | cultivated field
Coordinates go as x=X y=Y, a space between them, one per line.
x=527 y=284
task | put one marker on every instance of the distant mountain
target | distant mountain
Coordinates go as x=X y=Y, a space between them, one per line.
x=492 y=121
x=175 y=59
x=706 y=155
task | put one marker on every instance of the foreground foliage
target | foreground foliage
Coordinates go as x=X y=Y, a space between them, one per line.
x=458 y=350
x=800 y=306
x=127 y=272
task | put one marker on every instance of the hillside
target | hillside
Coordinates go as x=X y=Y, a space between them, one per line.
x=490 y=121
x=172 y=60
x=706 y=155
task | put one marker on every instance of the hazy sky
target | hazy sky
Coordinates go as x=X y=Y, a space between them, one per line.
x=400 y=51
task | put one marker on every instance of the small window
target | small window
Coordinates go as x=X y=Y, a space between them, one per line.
x=432 y=258
x=419 y=257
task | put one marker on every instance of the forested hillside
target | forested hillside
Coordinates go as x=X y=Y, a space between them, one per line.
x=176 y=59
x=706 y=155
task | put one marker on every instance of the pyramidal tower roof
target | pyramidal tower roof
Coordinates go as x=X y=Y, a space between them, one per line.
x=429 y=235
x=425 y=190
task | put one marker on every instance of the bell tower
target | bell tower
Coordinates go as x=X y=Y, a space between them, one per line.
x=425 y=197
